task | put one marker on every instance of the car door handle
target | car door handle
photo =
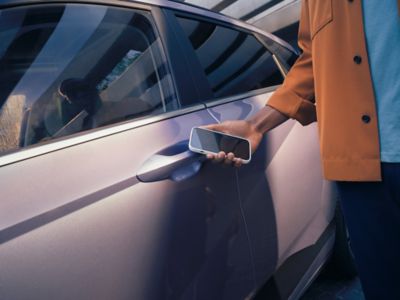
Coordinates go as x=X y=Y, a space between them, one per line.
x=176 y=163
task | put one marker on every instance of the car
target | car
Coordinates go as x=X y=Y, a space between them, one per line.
x=100 y=196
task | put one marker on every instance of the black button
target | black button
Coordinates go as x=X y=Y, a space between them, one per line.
x=366 y=119
x=357 y=59
x=350 y=1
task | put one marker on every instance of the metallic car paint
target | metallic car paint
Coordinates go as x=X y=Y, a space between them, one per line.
x=282 y=218
x=140 y=241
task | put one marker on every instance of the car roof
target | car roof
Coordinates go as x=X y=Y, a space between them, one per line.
x=176 y=5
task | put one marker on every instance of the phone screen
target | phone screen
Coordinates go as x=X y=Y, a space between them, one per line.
x=215 y=142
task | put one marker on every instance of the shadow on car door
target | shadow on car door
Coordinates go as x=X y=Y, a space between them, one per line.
x=282 y=191
x=82 y=221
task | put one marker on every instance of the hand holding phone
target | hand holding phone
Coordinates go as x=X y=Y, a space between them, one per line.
x=207 y=141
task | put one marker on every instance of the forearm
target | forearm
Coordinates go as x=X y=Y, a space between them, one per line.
x=266 y=119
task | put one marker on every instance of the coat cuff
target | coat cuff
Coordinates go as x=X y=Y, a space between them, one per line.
x=293 y=106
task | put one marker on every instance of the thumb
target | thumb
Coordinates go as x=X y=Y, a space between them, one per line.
x=215 y=127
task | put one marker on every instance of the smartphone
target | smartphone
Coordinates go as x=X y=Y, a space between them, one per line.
x=208 y=141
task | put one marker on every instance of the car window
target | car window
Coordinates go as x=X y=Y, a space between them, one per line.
x=286 y=56
x=233 y=61
x=70 y=68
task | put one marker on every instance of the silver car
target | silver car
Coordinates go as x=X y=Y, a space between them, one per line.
x=100 y=196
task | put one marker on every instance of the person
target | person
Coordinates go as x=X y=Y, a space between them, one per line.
x=348 y=78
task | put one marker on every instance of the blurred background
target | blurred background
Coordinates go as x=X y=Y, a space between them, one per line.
x=280 y=17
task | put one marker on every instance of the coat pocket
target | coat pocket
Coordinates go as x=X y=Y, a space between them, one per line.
x=320 y=12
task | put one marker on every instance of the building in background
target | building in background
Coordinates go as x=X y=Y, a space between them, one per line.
x=280 y=17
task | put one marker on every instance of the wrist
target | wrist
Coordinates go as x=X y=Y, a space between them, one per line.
x=255 y=125
x=266 y=119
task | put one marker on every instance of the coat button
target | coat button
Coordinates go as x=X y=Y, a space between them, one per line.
x=350 y=1
x=366 y=119
x=357 y=59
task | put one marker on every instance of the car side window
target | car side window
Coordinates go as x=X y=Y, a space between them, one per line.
x=286 y=56
x=233 y=61
x=70 y=68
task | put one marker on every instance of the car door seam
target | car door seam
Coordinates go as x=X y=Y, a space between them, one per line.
x=251 y=250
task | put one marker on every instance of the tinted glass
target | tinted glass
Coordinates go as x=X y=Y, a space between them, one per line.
x=286 y=56
x=233 y=61
x=70 y=68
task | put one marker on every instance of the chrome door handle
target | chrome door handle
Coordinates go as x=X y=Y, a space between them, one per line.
x=176 y=167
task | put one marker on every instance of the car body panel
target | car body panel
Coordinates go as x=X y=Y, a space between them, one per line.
x=282 y=218
x=108 y=235
x=126 y=212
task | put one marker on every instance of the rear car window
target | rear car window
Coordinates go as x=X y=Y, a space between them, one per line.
x=233 y=61
x=286 y=56
x=70 y=68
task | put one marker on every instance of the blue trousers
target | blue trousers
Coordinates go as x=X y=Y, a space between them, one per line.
x=372 y=214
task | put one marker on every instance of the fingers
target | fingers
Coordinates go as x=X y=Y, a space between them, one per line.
x=238 y=162
x=211 y=126
x=227 y=159
x=220 y=157
x=221 y=127
x=217 y=158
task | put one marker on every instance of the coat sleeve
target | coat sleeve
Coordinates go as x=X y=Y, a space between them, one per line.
x=295 y=98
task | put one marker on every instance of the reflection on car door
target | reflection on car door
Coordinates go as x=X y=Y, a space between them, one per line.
x=282 y=188
x=78 y=223
x=117 y=208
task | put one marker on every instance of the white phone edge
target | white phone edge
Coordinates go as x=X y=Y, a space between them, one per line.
x=201 y=151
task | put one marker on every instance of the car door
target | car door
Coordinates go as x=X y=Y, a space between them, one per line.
x=100 y=197
x=286 y=202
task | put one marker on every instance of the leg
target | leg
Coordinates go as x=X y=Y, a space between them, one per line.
x=372 y=214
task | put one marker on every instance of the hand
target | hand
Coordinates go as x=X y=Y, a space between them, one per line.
x=241 y=128
x=251 y=129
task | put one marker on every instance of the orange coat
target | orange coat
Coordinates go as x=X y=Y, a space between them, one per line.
x=331 y=82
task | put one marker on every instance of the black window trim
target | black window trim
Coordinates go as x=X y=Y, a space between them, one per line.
x=176 y=52
x=192 y=85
